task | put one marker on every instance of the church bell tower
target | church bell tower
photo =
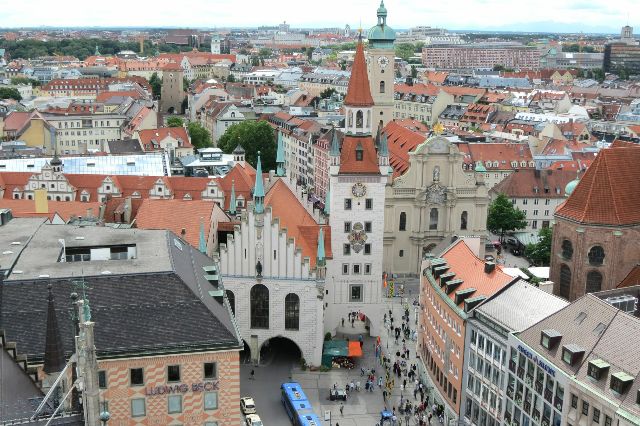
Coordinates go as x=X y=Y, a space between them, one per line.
x=381 y=67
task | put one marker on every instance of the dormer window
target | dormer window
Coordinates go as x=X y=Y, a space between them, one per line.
x=359 y=153
x=550 y=338
x=620 y=382
x=597 y=369
x=571 y=354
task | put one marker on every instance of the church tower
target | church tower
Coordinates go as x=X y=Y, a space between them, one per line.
x=381 y=62
x=358 y=173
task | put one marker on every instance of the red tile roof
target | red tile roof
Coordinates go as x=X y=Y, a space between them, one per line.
x=16 y=120
x=470 y=269
x=348 y=162
x=530 y=183
x=608 y=192
x=401 y=141
x=359 y=92
x=150 y=139
x=297 y=221
x=64 y=209
x=243 y=177
x=176 y=215
x=499 y=152
x=417 y=89
x=632 y=278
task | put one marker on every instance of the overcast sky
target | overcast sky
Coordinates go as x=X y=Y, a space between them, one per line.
x=523 y=15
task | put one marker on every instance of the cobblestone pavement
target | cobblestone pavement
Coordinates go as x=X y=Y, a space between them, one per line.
x=362 y=408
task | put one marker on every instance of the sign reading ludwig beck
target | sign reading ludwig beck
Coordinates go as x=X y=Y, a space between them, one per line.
x=181 y=388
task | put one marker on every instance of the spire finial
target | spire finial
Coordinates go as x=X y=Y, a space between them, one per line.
x=232 y=201
x=321 y=254
x=202 y=243
x=280 y=156
x=54 y=361
x=258 y=189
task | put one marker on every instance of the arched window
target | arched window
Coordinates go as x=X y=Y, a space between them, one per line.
x=567 y=249
x=292 y=312
x=594 y=282
x=403 y=222
x=433 y=219
x=232 y=300
x=565 y=281
x=596 y=256
x=382 y=87
x=259 y=301
x=359 y=119
x=463 y=220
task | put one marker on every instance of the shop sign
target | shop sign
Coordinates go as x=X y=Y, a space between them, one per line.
x=181 y=388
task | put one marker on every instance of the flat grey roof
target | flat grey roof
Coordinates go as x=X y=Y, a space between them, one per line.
x=40 y=256
x=520 y=306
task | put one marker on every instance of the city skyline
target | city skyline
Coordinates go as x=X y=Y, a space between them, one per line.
x=545 y=16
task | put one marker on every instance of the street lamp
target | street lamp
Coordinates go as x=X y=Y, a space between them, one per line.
x=104 y=417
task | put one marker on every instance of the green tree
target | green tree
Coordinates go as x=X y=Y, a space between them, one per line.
x=540 y=252
x=503 y=217
x=414 y=71
x=265 y=53
x=200 y=136
x=10 y=93
x=405 y=50
x=598 y=74
x=156 y=85
x=175 y=122
x=571 y=48
x=25 y=80
x=327 y=93
x=253 y=136
x=231 y=78
x=498 y=67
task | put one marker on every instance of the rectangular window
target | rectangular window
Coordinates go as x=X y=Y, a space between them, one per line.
x=347 y=227
x=596 y=415
x=137 y=376
x=174 y=404
x=585 y=408
x=367 y=249
x=210 y=370
x=356 y=269
x=173 y=373
x=346 y=249
x=345 y=269
x=367 y=269
x=535 y=212
x=401 y=253
x=138 y=408
x=347 y=203
x=368 y=204
x=574 y=401
x=102 y=379
x=211 y=400
x=367 y=227
x=534 y=224
x=355 y=293
x=607 y=421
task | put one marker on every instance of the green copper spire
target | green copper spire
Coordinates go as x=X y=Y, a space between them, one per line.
x=321 y=255
x=327 y=201
x=383 y=149
x=97 y=52
x=202 y=244
x=280 y=156
x=232 y=202
x=335 y=145
x=258 y=189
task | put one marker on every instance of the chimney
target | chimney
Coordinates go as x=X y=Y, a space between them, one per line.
x=42 y=203
x=489 y=267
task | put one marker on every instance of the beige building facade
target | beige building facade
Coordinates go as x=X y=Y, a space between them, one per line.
x=434 y=201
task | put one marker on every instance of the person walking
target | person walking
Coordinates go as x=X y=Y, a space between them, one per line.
x=342 y=409
x=252 y=375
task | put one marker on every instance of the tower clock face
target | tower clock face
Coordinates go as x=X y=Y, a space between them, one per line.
x=359 y=190
x=383 y=61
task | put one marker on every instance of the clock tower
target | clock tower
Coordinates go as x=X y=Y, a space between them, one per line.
x=358 y=174
x=381 y=66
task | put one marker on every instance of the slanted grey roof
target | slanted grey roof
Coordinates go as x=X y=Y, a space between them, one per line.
x=16 y=388
x=520 y=306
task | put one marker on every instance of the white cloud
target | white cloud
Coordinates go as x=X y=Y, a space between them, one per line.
x=571 y=15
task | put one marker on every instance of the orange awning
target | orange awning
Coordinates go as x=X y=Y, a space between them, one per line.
x=354 y=348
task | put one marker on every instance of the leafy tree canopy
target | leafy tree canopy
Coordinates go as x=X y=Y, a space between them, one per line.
x=200 y=136
x=503 y=217
x=540 y=253
x=175 y=122
x=10 y=93
x=253 y=136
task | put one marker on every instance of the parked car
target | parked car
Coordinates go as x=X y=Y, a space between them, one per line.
x=512 y=241
x=335 y=394
x=253 y=420
x=489 y=258
x=247 y=405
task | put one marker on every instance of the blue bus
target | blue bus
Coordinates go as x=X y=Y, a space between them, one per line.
x=297 y=405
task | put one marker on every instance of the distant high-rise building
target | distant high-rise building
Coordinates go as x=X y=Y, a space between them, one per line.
x=623 y=54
